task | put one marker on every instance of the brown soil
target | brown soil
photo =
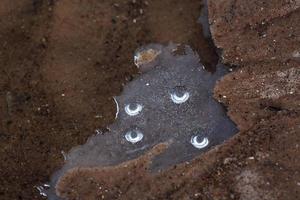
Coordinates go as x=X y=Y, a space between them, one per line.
x=62 y=62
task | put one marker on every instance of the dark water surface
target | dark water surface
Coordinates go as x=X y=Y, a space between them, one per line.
x=171 y=102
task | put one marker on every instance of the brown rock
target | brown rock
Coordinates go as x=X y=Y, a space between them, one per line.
x=253 y=31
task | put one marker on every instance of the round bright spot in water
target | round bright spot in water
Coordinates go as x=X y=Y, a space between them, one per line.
x=134 y=136
x=179 y=95
x=133 y=109
x=199 y=142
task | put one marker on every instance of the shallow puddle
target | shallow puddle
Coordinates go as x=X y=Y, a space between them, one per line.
x=171 y=102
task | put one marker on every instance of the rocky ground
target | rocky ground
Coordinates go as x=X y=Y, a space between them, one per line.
x=61 y=63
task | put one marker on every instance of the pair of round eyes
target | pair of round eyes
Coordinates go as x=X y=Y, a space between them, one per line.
x=178 y=95
x=197 y=141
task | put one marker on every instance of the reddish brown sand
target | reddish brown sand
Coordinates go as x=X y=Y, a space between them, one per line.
x=61 y=62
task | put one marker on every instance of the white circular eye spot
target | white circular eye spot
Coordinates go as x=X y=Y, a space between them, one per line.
x=180 y=99
x=134 y=136
x=133 y=109
x=179 y=95
x=199 y=142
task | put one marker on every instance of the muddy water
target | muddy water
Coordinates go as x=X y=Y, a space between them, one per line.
x=171 y=102
x=61 y=64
